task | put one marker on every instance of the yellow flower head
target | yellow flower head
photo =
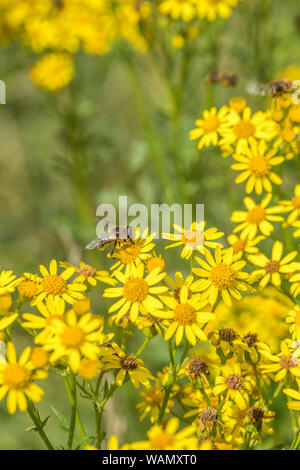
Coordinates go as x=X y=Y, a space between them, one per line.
x=8 y=282
x=17 y=380
x=53 y=72
x=256 y=166
x=234 y=385
x=257 y=218
x=55 y=285
x=168 y=437
x=246 y=128
x=221 y=274
x=129 y=364
x=210 y=126
x=185 y=317
x=210 y=9
x=74 y=338
x=137 y=293
x=293 y=317
x=272 y=269
x=195 y=238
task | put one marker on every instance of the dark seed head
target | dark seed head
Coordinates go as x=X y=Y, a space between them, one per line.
x=250 y=339
x=234 y=382
x=198 y=366
x=227 y=334
x=129 y=362
x=208 y=415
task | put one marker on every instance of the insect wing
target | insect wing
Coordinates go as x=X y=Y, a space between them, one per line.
x=94 y=244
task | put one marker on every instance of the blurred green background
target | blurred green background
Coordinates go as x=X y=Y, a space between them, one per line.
x=42 y=213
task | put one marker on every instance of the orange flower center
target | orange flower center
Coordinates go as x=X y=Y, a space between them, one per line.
x=259 y=166
x=211 y=124
x=192 y=237
x=222 y=276
x=244 y=129
x=135 y=290
x=256 y=215
x=72 y=337
x=54 y=285
x=15 y=376
x=184 y=314
x=272 y=267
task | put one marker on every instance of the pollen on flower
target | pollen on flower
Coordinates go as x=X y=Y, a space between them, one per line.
x=54 y=285
x=234 y=382
x=222 y=276
x=129 y=253
x=184 y=314
x=135 y=290
x=72 y=337
x=244 y=129
x=259 y=166
x=15 y=376
x=256 y=215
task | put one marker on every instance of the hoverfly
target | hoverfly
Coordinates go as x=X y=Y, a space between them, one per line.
x=279 y=88
x=115 y=235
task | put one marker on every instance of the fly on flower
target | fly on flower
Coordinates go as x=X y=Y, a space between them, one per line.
x=113 y=235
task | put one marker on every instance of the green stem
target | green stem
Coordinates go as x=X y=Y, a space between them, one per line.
x=171 y=382
x=37 y=422
x=99 y=414
x=144 y=345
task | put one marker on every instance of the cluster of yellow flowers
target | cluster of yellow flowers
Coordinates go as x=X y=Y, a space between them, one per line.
x=223 y=363
x=60 y=28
